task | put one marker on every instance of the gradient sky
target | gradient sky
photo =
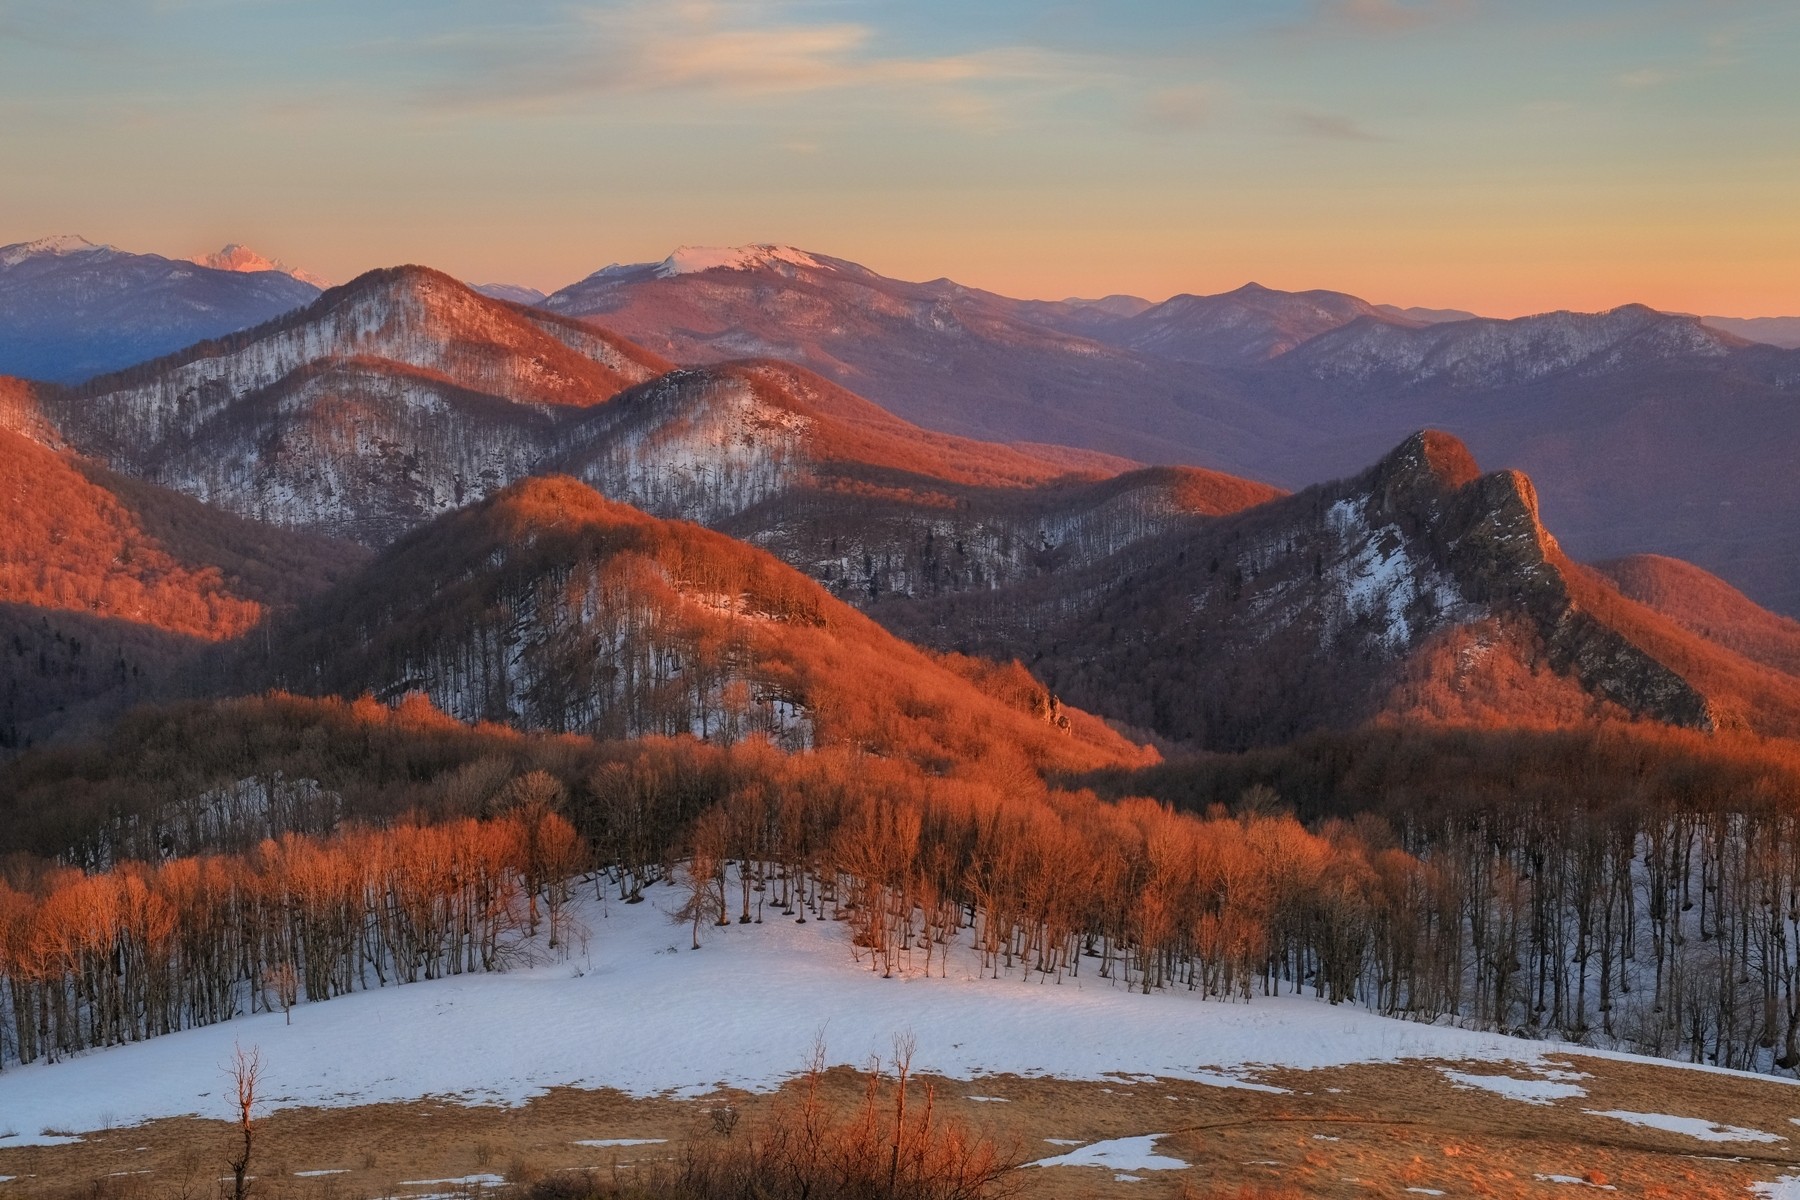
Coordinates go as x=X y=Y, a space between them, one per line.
x=1506 y=156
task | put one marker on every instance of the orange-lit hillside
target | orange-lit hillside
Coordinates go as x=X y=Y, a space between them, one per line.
x=73 y=546
x=1706 y=605
x=106 y=583
x=551 y=608
x=1742 y=693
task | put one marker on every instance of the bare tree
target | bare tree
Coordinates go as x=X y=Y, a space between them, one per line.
x=245 y=1070
x=286 y=983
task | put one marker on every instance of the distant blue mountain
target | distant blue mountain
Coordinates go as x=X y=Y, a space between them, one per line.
x=70 y=309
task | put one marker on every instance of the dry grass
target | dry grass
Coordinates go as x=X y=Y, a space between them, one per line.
x=1358 y=1131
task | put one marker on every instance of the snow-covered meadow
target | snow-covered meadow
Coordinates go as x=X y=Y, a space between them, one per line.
x=634 y=1009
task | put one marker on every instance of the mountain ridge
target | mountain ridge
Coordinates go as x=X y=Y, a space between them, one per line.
x=1419 y=589
x=1643 y=431
x=554 y=609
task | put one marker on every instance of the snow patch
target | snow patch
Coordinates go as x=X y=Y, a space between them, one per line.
x=1694 y=1127
x=1378 y=581
x=244 y=260
x=1118 y=1154
x=1575 y=1179
x=1219 y=1079
x=1531 y=1091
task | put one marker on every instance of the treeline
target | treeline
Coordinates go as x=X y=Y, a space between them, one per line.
x=101 y=959
x=1631 y=889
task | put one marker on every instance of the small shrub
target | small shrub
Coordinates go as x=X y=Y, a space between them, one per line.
x=885 y=1149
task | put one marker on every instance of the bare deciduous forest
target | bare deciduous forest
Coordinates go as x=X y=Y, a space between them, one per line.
x=1651 y=902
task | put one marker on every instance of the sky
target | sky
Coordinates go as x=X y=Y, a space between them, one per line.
x=1502 y=156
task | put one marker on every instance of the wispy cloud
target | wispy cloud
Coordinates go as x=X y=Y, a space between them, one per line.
x=745 y=50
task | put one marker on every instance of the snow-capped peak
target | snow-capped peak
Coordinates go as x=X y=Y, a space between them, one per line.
x=689 y=260
x=235 y=257
x=62 y=243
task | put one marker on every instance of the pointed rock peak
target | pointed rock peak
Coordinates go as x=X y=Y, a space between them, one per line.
x=243 y=260
x=235 y=257
x=1433 y=456
x=1517 y=483
x=690 y=260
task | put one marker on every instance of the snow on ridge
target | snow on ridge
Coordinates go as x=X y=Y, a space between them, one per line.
x=57 y=244
x=715 y=454
x=691 y=260
x=1491 y=351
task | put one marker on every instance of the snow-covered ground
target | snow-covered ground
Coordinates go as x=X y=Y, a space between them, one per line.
x=641 y=1012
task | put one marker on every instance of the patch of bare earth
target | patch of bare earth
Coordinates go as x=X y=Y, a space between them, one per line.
x=1396 y=1130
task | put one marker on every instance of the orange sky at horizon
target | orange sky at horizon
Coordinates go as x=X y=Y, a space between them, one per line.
x=1501 y=159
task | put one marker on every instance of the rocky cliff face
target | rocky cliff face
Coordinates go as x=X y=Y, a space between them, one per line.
x=1321 y=609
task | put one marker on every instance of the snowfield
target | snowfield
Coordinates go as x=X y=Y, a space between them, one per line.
x=639 y=1011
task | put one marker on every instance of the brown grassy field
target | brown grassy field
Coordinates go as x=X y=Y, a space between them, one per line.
x=1381 y=1130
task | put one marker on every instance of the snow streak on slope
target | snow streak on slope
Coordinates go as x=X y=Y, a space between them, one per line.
x=696 y=448
x=1378 y=580
x=635 y=1010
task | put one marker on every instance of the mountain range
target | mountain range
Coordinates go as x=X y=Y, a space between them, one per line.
x=1644 y=432
x=514 y=470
